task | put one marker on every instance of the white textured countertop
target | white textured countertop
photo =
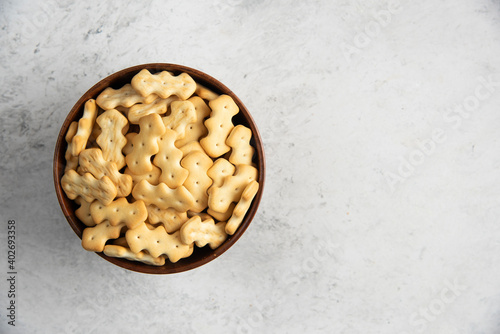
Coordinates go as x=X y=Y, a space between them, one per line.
x=380 y=121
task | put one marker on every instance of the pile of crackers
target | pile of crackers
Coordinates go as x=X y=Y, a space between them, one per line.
x=157 y=167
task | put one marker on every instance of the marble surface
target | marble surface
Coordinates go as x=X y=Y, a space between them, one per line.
x=380 y=123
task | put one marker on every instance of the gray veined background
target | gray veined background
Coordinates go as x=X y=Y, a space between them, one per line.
x=380 y=123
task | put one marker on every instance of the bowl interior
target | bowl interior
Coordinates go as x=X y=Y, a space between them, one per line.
x=200 y=256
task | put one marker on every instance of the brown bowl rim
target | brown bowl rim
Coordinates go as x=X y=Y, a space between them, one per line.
x=115 y=80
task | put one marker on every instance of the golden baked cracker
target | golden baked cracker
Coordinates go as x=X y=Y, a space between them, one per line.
x=239 y=141
x=121 y=241
x=219 y=198
x=203 y=232
x=170 y=218
x=202 y=215
x=79 y=170
x=85 y=125
x=219 y=125
x=111 y=140
x=126 y=253
x=83 y=212
x=88 y=187
x=197 y=129
x=164 y=84
x=219 y=170
x=168 y=159
x=158 y=242
x=182 y=113
x=242 y=207
x=92 y=161
x=158 y=106
x=129 y=146
x=120 y=211
x=145 y=144
x=222 y=216
x=198 y=182
x=94 y=238
x=205 y=93
x=153 y=176
x=126 y=97
x=163 y=197
x=71 y=160
x=191 y=147
x=151 y=226
x=96 y=131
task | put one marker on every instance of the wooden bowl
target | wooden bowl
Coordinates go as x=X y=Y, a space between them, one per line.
x=200 y=256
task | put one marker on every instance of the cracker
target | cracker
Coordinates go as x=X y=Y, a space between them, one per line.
x=121 y=241
x=92 y=161
x=198 y=182
x=197 y=129
x=94 y=238
x=145 y=144
x=158 y=106
x=126 y=97
x=164 y=84
x=191 y=147
x=239 y=141
x=79 y=170
x=71 y=160
x=126 y=253
x=163 y=197
x=205 y=93
x=220 y=170
x=96 y=131
x=85 y=125
x=219 y=125
x=119 y=212
x=129 y=146
x=153 y=176
x=111 y=140
x=168 y=159
x=158 y=242
x=171 y=219
x=151 y=226
x=219 y=198
x=242 y=207
x=83 y=212
x=202 y=215
x=182 y=113
x=88 y=187
x=203 y=232
x=222 y=216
